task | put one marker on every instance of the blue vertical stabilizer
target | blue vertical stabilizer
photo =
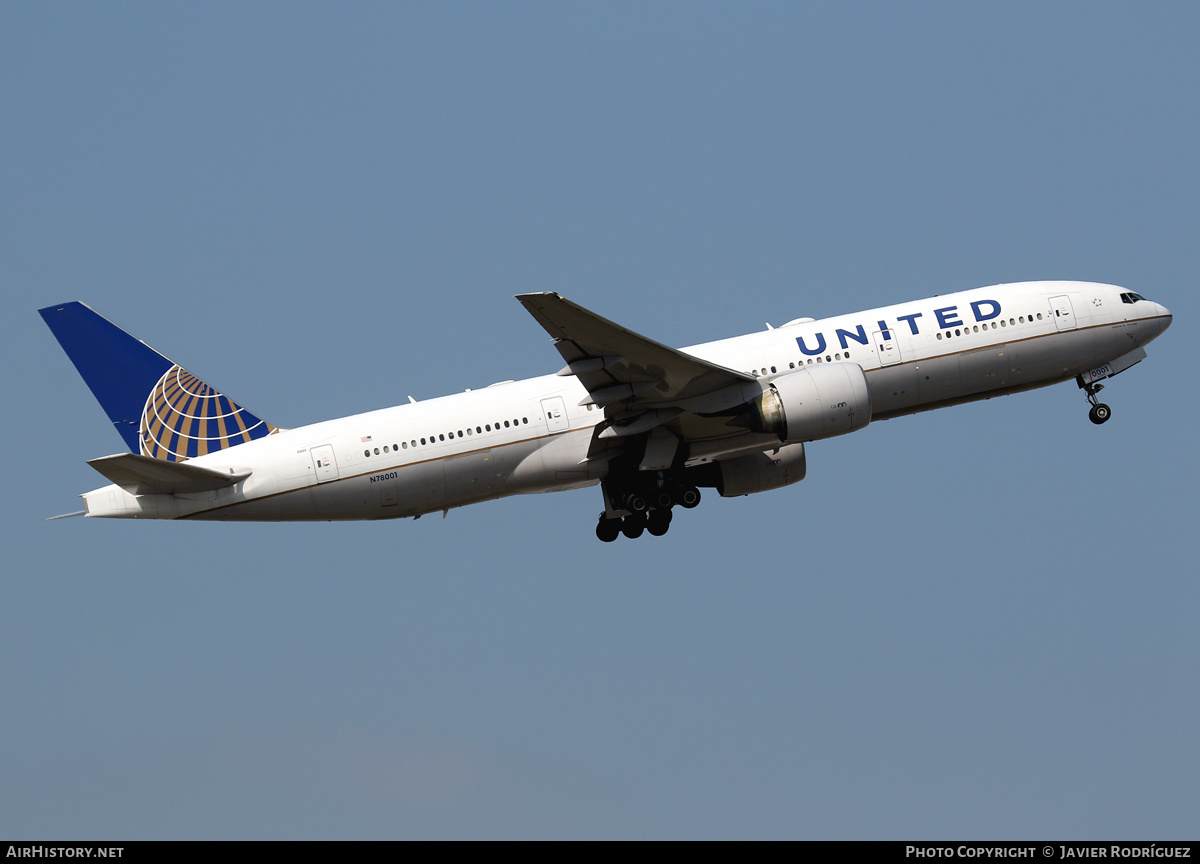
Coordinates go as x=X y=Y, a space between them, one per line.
x=160 y=409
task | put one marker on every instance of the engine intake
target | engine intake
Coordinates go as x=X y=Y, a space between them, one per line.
x=814 y=403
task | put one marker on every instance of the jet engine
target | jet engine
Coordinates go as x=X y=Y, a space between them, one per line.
x=813 y=403
x=756 y=472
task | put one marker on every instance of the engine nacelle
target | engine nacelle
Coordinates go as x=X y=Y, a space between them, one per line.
x=758 y=472
x=816 y=402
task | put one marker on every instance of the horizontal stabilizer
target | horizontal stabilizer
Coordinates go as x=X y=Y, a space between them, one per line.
x=143 y=475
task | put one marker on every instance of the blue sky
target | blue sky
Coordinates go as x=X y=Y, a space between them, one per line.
x=977 y=622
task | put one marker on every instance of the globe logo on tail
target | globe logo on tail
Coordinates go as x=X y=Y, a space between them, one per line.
x=185 y=418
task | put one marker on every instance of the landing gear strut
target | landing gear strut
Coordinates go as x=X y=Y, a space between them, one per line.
x=1100 y=412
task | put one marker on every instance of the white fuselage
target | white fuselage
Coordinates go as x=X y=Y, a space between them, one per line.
x=534 y=435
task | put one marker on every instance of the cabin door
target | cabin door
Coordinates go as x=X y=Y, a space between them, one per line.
x=1064 y=315
x=555 y=413
x=324 y=463
x=886 y=347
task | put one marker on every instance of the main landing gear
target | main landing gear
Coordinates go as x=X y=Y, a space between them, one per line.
x=649 y=512
x=1099 y=412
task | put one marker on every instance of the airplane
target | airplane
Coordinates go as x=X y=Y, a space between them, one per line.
x=652 y=425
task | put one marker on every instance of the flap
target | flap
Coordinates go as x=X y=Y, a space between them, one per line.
x=142 y=475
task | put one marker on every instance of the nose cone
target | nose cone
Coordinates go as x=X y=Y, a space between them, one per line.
x=1159 y=321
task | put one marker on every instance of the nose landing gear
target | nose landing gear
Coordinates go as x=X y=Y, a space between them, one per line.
x=1099 y=412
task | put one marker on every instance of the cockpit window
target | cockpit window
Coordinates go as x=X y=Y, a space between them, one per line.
x=1131 y=297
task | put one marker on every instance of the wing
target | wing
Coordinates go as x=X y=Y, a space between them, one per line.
x=638 y=382
x=659 y=404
